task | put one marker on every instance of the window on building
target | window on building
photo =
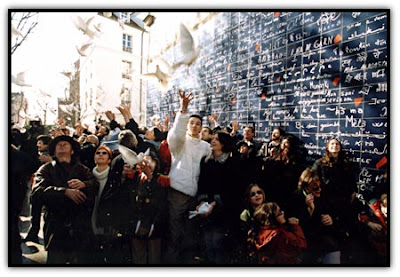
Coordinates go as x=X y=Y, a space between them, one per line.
x=127 y=43
x=126 y=70
x=125 y=17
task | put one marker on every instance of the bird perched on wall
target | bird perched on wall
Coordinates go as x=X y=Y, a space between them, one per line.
x=129 y=156
x=189 y=49
x=20 y=80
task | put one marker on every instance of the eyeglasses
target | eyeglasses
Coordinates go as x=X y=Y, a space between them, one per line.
x=254 y=193
x=102 y=153
x=316 y=188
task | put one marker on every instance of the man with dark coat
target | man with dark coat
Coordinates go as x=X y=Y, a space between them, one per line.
x=22 y=167
x=67 y=189
x=43 y=157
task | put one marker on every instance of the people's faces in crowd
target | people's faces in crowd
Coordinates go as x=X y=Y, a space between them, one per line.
x=102 y=157
x=285 y=144
x=41 y=146
x=280 y=216
x=248 y=133
x=102 y=131
x=244 y=149
x=147 y=166
x=206 y=134
x=314 y=187
x=256 y=196
x=216 y=145
x=150 y=134
x=333 y=147
x=63 y=147
x=194 y=127
x=276 y=135
x=92 y=139
x=56 y=133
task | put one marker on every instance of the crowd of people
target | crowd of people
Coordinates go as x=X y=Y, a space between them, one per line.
x=193 y=193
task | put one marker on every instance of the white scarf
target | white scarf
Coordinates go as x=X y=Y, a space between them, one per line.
x=102 y=179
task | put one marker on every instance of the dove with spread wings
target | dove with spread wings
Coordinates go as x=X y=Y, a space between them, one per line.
x=86 y=26
x=162 y=74
x=21 y=79
x=189 y=49
x=129 y=156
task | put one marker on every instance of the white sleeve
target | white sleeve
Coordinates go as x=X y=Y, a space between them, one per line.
x=177 y=135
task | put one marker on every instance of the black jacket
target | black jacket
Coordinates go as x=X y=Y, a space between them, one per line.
x=67 y=225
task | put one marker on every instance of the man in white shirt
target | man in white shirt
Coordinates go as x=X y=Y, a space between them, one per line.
x=187 y=150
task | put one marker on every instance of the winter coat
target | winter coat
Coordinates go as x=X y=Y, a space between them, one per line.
x=282 y=245
x=218 y=182
x=320 y=238
x=338 y=185
x=67 y=225
x=149 y=208
x=113 y=212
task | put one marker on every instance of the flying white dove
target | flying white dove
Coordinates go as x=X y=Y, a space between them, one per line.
x=20 y=80
x=83 y=50
x=129 y=156
x=15 y=31
x=67 y=74
x=85 y=26
x=162 y=77
x=189 y=49
x=99 y=27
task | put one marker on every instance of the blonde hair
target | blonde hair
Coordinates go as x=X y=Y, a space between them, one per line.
x=265 y=214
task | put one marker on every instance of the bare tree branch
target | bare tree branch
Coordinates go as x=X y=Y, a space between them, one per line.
x=26 y=24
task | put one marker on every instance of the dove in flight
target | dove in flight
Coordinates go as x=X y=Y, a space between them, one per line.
x=83 y=50
x=162 y=77
x=129 y=156
x=86 y=26
x=189 y=49
x=15 y=31
x=67 y=74
x=20 y=80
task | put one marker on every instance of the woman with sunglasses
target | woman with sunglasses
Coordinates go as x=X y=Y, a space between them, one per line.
x=254 y=196
x=275 y=239
x=313 y=213
x=102 y=159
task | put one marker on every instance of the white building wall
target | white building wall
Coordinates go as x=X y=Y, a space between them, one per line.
x=101 y=73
